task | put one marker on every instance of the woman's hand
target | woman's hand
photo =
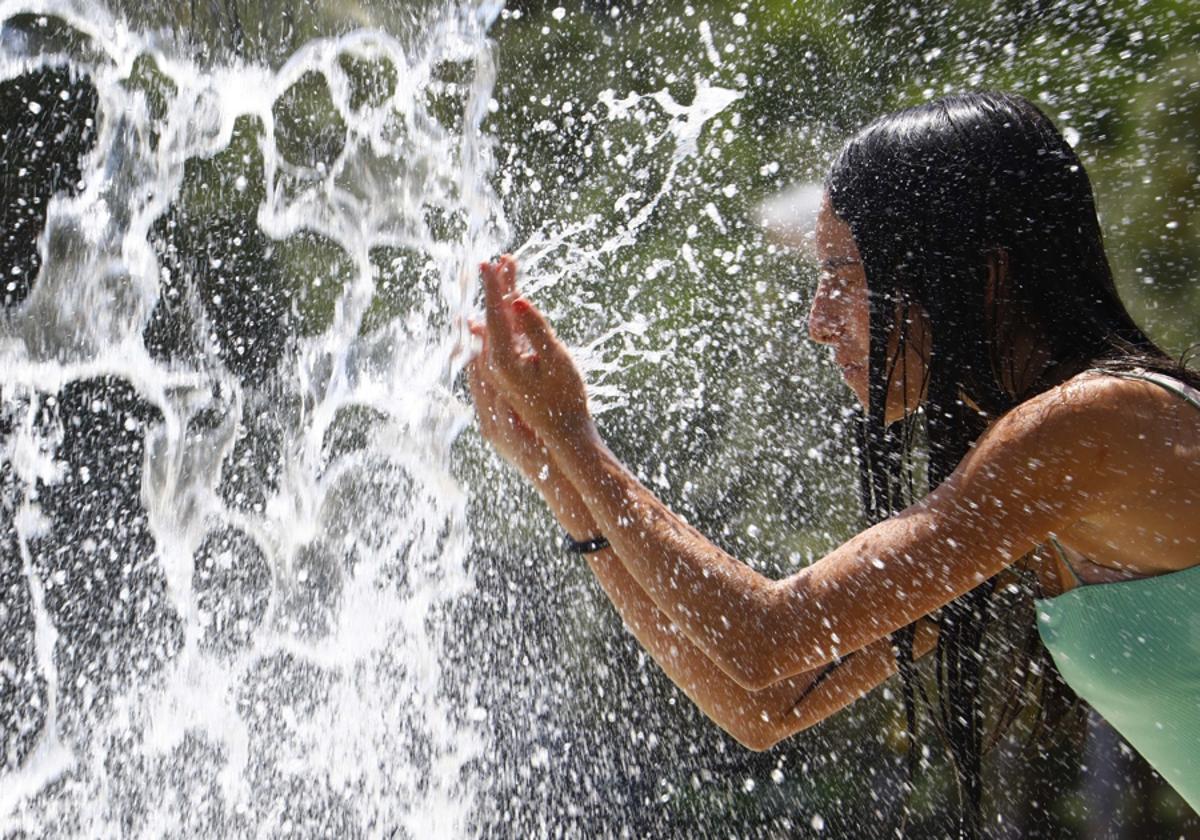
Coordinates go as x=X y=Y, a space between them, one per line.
x=517 y=443
x=529 y=366
x=500 y=424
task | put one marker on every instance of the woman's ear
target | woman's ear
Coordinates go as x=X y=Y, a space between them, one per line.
x=998 y=291
x=998 y=301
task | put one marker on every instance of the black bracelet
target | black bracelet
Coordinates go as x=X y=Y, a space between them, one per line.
x=574 y=546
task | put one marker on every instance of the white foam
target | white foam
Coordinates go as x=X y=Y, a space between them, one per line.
x=380 y=683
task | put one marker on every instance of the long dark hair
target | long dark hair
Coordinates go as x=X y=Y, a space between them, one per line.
x=976 y=210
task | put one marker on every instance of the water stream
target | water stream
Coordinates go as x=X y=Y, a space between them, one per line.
x=227 y=409
x=257 y=578
x=234 y=549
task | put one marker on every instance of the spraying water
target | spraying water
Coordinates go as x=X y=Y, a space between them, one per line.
x=228 y=407
x=241 y=588
x=239 y=631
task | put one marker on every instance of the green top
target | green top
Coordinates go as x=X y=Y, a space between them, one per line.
x=1132 y=650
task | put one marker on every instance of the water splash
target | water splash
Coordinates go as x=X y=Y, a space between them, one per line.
x=227 y=411
x=282 y=669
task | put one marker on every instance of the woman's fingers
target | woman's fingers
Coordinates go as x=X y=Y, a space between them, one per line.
x=506 y=269
x=495 y=312
x=483 y=396
x=509 y=343
x=489 y=402
x=502 y=426
x=479 y=331
x=534 y=326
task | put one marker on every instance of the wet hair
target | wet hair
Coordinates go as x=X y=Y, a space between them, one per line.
x=976 y=209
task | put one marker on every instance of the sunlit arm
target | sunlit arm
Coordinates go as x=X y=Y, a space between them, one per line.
x=1069 y=452
x=757 y=719
x=1038 y=469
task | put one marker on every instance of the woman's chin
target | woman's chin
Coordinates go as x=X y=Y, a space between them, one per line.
x=853 y=376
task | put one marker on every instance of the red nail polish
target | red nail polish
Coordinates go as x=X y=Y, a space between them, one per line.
x=521 y=305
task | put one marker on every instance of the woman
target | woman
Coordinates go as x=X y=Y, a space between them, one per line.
x=964 y=286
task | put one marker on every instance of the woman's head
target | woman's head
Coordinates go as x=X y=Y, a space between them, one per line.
x=975 y=214
x=963 y=268
x=840 y=317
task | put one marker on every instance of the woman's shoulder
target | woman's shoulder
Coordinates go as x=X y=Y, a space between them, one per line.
x=1120 y=402
x=1099 y=399
x=1094 y=424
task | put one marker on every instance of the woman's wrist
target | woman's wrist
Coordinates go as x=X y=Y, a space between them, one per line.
x=565 y=502
x=575 y=518
x=590 y=466
x=576 y=447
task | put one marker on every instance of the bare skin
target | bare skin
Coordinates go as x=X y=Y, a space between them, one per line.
x=758 y=719
x=1110 y=466
x=840 y=318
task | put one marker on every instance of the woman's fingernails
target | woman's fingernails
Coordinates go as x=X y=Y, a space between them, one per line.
x=521 y=305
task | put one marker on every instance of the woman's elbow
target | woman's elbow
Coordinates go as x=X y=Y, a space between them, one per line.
x=771 y=644
x=758 y=667
x=761 y=664
x=756 y=742
x=754 y=738
x=751 y=672
x=763 y=731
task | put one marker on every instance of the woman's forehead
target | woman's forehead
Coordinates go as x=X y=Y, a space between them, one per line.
x=834 y=242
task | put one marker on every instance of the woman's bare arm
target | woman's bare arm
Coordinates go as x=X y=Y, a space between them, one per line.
x=758 y=719
x=1039 y=469
x=1036 y=471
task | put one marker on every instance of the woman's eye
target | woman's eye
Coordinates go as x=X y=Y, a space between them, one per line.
x=831 y=283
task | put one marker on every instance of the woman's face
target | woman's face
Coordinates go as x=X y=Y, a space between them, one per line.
x=840 y=317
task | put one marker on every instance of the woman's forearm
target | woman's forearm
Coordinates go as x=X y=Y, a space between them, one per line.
x=757 y=719
x=718 y=602
x=680 y=657
x=564 y=503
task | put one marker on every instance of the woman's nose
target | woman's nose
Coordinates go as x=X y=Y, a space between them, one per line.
x=823 y=324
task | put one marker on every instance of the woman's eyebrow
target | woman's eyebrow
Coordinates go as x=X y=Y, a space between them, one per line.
x=834 y=263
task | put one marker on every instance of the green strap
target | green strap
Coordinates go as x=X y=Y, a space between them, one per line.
x=1185 y=392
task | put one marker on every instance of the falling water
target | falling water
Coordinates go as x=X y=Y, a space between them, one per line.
x=254 y=580
x=233 y=556
x=228 y=408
